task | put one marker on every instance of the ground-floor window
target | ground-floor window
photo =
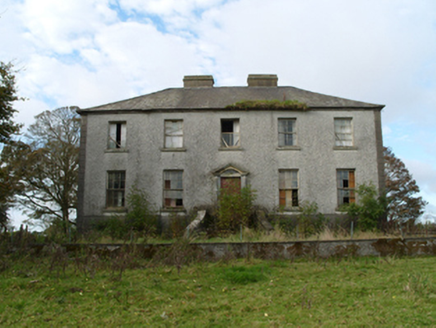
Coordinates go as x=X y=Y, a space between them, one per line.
x=346 y=187
x=173 y=188
x=115 y=190
x=288 y=188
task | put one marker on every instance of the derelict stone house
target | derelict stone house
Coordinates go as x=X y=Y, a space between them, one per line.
x=181 y=145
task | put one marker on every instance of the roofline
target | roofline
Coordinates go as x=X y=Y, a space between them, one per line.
x=174 y=110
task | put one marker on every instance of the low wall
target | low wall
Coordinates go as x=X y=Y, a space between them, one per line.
x=282 y=250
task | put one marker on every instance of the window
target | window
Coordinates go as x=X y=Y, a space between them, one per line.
x=287 y=135
x=173 y=189
x=288 y=188
x=117 y=135
x=230 y=133
x=346 y=185
x=173 y=134
x=116 y=181
x=343 y=132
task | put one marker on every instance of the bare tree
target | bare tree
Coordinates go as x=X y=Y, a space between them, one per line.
x=47 y=166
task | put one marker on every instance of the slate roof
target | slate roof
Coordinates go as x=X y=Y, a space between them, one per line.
x=216 y=98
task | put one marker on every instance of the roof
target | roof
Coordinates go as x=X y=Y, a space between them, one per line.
x=203 y=98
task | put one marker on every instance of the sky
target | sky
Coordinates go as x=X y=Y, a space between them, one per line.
x=91 y=52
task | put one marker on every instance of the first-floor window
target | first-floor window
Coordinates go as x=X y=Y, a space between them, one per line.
x=287 y=135
x=346 y=187
x=288 y=188
x=117 y=135
x=230 y=133
x=173 y=189
x=343 y=132
x=116 y=184
x=173 y=133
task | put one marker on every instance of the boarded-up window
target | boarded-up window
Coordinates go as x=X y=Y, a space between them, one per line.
x=117 y=135
x=288 y=188
x=173 y=189
x=116 y=184
x=287 y=135
x=173 y=134
x=346 y=187
x=230 y=133
x=343 y=132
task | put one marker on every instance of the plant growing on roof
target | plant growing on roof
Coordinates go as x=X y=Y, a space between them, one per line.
x=268 y=104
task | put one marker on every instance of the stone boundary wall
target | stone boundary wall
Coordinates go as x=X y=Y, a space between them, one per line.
x=280 y=250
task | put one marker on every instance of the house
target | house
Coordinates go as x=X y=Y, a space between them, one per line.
x=182 y=145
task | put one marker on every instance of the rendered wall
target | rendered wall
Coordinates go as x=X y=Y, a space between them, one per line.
x=144 y=161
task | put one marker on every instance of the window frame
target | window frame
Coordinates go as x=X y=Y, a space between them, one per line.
x=285 y=133
x=283 y=189
x=110 y=192
x=168 y=135
x=169 y=189
x=223 y=143
x=350 y=187
x=120 y=141
x=342 y=142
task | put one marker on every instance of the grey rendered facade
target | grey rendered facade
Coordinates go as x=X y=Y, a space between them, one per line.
x=181 y=145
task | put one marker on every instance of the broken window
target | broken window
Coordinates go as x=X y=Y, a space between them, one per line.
x=173 y=189
x=287 y=135
x=230 y=133
x=117 y=135
x=173 y=133
x=346 y=185
x=288 y=188
x=343 y=132
x=116 y=181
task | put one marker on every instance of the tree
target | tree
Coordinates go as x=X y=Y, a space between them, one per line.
x=402 y=203
x=8 y=94
x=47 y=166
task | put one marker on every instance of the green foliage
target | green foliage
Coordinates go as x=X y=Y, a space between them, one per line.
x=370 y=210
x=7 y=97
x=310 y=221
x=234 y=208
x=268 y=104
x=141 y=216
x=140 y=221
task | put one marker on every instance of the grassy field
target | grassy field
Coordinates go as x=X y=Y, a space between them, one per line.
x=55 y=291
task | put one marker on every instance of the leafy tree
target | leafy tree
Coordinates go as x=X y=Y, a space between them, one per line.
x=47 y=167
x=8 y=94
x=402 y=203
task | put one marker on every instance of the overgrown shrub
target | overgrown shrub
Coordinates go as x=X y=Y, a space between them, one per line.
x=235 y=208
x=370 y=210
x=141 y=216
x=310 y=221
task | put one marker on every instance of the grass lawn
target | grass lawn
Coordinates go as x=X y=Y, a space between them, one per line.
x=358 y=292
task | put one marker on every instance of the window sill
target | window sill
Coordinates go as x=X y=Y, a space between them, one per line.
x=230 y=149
x=117 y=150
x=172 y=209
x=289 y=211
x=115 y=210
x=344 y=148
x=288 y=148
x=173 y=150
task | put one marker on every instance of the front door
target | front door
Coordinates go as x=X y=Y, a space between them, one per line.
x=232 y=185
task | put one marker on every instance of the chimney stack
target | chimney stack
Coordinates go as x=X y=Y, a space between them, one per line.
x=262 y=80
x=198 y=81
